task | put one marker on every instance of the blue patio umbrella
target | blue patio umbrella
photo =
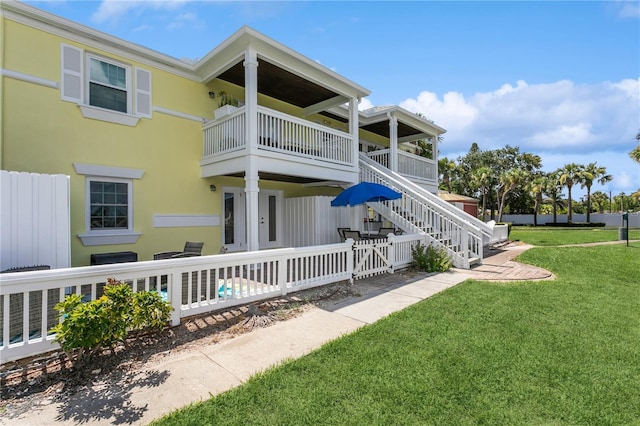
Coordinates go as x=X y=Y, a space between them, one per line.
x=364 y=192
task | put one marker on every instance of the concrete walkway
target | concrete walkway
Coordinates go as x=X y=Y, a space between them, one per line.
x=176 y=380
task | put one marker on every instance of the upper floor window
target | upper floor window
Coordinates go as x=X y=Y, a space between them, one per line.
x=105 y=89
x=109 y=85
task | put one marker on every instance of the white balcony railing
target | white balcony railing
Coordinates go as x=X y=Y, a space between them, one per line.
x=414 y=165
x=409 y=165
x=278 y=132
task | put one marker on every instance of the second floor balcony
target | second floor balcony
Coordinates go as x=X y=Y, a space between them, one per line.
x=285 y=145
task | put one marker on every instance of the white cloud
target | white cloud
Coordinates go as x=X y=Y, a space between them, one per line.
x=628 y=9
x=112 y=10
x=562 y=122
x=365 y=103
x=558 y=116
x=184 y=19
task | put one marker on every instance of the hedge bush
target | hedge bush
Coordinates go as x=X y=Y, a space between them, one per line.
x=101 y=323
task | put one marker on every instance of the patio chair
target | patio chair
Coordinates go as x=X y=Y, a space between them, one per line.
x=354 y=235
x=341 y=233
x=190 y=249
x=383 y=232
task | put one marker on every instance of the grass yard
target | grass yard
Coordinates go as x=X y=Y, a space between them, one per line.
x=550 y=352
x=541 y=236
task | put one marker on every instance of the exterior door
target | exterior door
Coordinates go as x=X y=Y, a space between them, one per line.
x=234 y=223
x=269 y=213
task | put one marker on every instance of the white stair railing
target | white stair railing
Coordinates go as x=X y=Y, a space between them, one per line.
x=417 y=213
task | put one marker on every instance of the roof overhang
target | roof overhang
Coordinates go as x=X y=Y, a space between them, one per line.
x=283 y=74
x=376 y=120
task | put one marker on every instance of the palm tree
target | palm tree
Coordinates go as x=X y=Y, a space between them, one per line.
x=635 y=153
x=445 y=168
x=568 y=175
x=590 y=173
x=600 y=199
x=553 y=189
x=536 y=187
x=481 y=180
x=507 y=182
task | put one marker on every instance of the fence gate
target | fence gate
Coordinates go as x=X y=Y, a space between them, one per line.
x=371 y=257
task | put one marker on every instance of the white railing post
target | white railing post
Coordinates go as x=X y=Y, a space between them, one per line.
x=282 y=274
x=174 y=288
x=391 y=255
x=465 y=248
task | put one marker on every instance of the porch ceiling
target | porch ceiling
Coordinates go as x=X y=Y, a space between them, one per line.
x=382 y=128
x=281 y=177
x=281 y=84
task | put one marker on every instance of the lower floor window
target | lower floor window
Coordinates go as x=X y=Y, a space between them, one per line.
x=110 y=205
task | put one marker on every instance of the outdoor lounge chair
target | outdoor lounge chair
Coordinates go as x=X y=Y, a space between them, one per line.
x=383 y=232
x=190 y=249
x=354 y=235
x=341 y=233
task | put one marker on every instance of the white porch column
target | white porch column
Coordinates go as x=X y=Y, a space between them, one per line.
x=251 y=170
x=354 y=131
x=393 y=143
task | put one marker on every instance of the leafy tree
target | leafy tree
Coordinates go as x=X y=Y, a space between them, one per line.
x=508 y=181
x=446 y=168
x=635 y=153
x=568 y=176
x=590 y=173
x=481 y=180
x=553 y=190
x=601 y=200
x=537 y=187
x=501 y=162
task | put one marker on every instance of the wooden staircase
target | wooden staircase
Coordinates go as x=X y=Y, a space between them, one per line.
x=420 y=211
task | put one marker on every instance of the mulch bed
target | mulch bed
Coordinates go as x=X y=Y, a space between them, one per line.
x=53 y=375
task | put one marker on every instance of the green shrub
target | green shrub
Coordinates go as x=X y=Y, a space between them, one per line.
x=106 y=321
x=430 y=258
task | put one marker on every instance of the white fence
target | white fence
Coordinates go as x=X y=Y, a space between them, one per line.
x=609 y=219
x=312 y=221
x=34 y=220
x=193 y=286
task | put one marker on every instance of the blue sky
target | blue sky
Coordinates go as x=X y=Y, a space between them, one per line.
x=559 y=79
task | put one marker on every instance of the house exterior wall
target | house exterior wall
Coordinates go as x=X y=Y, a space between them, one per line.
x=41 y=133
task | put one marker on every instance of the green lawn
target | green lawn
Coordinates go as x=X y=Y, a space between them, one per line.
x=551 y=352
x=539 y=236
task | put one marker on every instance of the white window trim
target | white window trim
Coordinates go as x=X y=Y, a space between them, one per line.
x=131 y=117
x=87 y=80
x=96 y=113
x=94 y=172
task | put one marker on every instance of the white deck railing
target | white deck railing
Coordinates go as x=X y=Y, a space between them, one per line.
x=193 y=286
x=278 y=132
x=416 y=166
x=409 y=165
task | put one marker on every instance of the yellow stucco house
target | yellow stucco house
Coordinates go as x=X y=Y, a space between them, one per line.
x=155 y=158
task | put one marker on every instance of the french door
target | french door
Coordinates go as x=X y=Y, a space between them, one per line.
x=234 y=226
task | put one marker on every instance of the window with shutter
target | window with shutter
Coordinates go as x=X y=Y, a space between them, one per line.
x=143 y=93
x=71 y=81
x=102 y=86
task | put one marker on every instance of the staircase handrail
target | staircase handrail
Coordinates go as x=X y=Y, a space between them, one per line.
x=404 y=183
